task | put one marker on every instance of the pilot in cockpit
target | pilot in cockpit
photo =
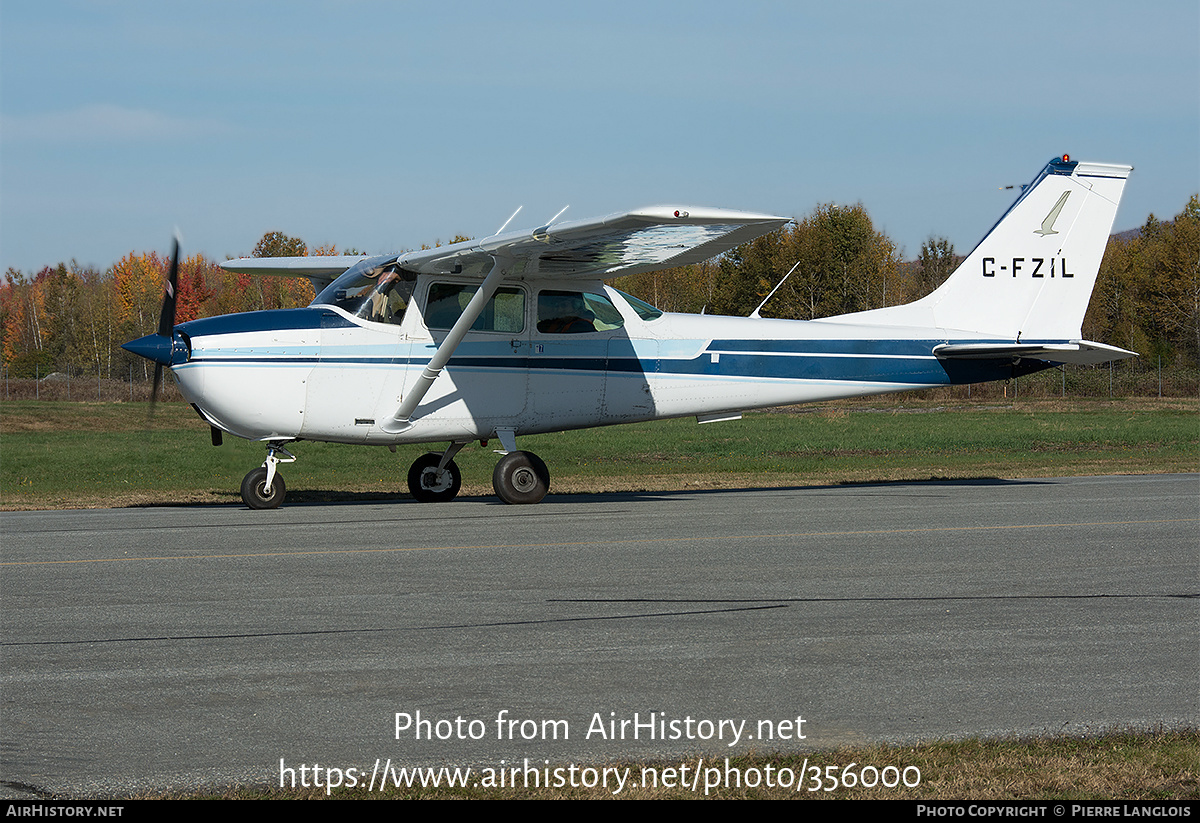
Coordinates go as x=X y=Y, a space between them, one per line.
x=387 y=302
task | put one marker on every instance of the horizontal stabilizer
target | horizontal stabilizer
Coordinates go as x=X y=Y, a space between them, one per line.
x=1078 y=353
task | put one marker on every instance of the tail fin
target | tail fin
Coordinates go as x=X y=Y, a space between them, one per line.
x=1031 y=277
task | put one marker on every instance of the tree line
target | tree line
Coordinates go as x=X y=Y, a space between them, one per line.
x=74 y=318
x=1147 y=297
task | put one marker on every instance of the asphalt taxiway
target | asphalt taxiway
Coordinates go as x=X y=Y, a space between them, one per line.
x=163 y=648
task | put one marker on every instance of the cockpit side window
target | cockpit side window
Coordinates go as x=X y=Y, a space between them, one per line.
x=573 y=312
x=505 y=312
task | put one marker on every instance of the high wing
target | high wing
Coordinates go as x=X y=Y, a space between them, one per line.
x=636 y=241
x=627 y=243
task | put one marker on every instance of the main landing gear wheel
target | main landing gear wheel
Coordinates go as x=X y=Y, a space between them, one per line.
x=427 y=486
x=521 y=477
x=254 y=490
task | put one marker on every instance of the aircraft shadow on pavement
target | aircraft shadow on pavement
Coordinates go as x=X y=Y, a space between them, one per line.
x=317 y=497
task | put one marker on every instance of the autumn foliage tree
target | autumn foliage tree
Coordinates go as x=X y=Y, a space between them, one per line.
x=1147 y=295
x=281 y=292
x=841 y=264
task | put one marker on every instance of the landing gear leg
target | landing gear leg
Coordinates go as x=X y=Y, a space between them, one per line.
x=521 y=477
x=263 y=488
x=434 y=478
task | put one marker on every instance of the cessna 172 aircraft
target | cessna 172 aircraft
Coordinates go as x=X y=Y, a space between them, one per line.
x=517 y=334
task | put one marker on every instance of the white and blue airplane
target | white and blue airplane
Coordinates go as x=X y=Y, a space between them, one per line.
x=517 y=334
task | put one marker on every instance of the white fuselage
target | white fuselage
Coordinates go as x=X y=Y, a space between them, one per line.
x=323 y=374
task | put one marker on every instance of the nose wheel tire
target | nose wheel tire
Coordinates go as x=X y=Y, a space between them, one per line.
x=254 y=492
x=521 y=477
x=425 y=484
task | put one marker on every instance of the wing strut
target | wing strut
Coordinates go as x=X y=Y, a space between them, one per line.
x=402 y=420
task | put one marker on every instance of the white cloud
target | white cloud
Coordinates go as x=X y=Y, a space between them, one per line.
x=105 y=121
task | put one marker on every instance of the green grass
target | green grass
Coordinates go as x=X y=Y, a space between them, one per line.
x=64 y=454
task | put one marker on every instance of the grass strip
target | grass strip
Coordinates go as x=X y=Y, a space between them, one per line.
x=82 y=455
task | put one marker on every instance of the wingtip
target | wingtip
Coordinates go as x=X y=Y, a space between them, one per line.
x=706 y=214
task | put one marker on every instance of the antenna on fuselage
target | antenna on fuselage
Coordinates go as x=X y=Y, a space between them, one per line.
x=755 y=313
x=509 y=220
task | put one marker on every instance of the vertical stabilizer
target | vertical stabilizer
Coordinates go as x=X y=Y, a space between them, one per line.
x=1031 y=277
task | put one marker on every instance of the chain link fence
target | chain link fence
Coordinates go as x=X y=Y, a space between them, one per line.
x=1135 y=377
x=134 y=387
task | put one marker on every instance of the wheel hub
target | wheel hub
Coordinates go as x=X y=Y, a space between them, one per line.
x=434 y=481
x=524 y=479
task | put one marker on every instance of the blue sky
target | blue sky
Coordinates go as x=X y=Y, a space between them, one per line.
x=385 y=125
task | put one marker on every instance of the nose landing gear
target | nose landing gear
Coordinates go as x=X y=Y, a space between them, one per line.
x=434 y=478
x=263 y=488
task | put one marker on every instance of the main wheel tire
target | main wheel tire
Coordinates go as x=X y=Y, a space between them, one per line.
x=424 y=483
x=521 y=477
x=254 y=490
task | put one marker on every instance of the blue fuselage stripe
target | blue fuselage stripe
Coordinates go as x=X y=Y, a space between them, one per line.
x=905 y=362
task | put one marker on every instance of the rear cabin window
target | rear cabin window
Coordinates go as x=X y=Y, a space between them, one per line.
x=505 y=312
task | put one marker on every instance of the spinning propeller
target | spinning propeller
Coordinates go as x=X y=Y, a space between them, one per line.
x=163 y=346
x=166 y=319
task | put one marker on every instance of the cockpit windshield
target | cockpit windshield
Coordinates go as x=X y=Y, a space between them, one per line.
x=374 y=289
